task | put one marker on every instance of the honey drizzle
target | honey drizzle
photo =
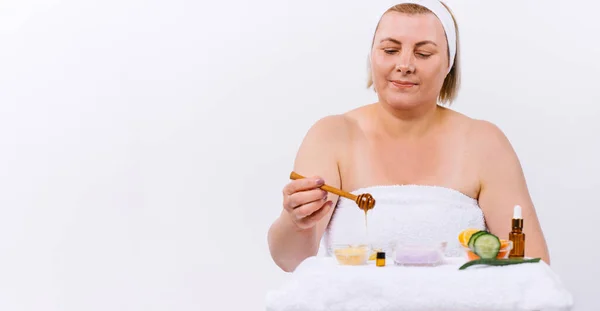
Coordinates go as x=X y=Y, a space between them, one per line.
x=366 y=225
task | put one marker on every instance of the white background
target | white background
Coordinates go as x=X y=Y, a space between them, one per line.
x=145 y=143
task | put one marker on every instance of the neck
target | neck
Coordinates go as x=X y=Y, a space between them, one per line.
x=406 y=123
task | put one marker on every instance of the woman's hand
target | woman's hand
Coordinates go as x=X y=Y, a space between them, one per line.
x=305 y=203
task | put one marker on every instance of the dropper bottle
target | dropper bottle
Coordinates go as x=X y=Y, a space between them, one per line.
x=516 y=235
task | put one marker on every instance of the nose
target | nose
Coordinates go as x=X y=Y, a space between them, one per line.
x=405 y=64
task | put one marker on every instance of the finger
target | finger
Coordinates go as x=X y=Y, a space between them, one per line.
x=305 y=197
x=308 y=209
x=303 y=184
x=315 y=217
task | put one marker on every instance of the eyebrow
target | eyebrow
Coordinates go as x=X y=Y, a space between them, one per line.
x=400 y=43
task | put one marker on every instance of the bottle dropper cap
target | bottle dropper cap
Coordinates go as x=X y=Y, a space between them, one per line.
x=517 y=221
x=517 y=212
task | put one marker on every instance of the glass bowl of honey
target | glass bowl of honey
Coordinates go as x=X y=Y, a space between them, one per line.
x=351 y=254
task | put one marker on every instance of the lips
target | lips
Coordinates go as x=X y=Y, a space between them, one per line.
x=403 y=84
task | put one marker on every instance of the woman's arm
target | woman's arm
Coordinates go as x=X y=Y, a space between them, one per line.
x=503 y=186
x=292 y=240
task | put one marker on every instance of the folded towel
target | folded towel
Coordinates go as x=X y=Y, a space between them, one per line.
x=323 y=284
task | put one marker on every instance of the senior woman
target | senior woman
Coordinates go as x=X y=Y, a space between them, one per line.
x=432 y=170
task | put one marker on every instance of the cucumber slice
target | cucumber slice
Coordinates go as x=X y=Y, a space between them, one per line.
x=474 y=236
x=486 y=246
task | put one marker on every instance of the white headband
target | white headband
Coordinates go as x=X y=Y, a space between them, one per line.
x=442 y=14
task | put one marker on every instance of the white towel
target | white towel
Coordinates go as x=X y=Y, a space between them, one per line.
x=323 y=284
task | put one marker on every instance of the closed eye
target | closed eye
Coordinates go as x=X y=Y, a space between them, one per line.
x=394 y=51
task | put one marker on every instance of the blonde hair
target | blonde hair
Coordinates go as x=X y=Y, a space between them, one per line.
x=451 y=84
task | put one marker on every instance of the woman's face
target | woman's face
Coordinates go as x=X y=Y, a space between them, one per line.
x=409 y=59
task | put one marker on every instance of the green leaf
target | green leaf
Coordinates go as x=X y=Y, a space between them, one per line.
x=498 y=262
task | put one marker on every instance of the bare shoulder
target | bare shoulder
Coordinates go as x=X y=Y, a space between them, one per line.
x=489 y=147
x=330 y=126
x=495 y=158
x=485 y=130
x=480 y=135
x=336 y=129
x=327 y=133
x=326 y=139
x=456 y=122
x=488 y=139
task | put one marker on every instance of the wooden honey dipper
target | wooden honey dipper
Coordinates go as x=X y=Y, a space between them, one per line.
x=364 y=201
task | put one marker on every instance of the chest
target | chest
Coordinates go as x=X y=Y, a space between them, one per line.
x=442 y=160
